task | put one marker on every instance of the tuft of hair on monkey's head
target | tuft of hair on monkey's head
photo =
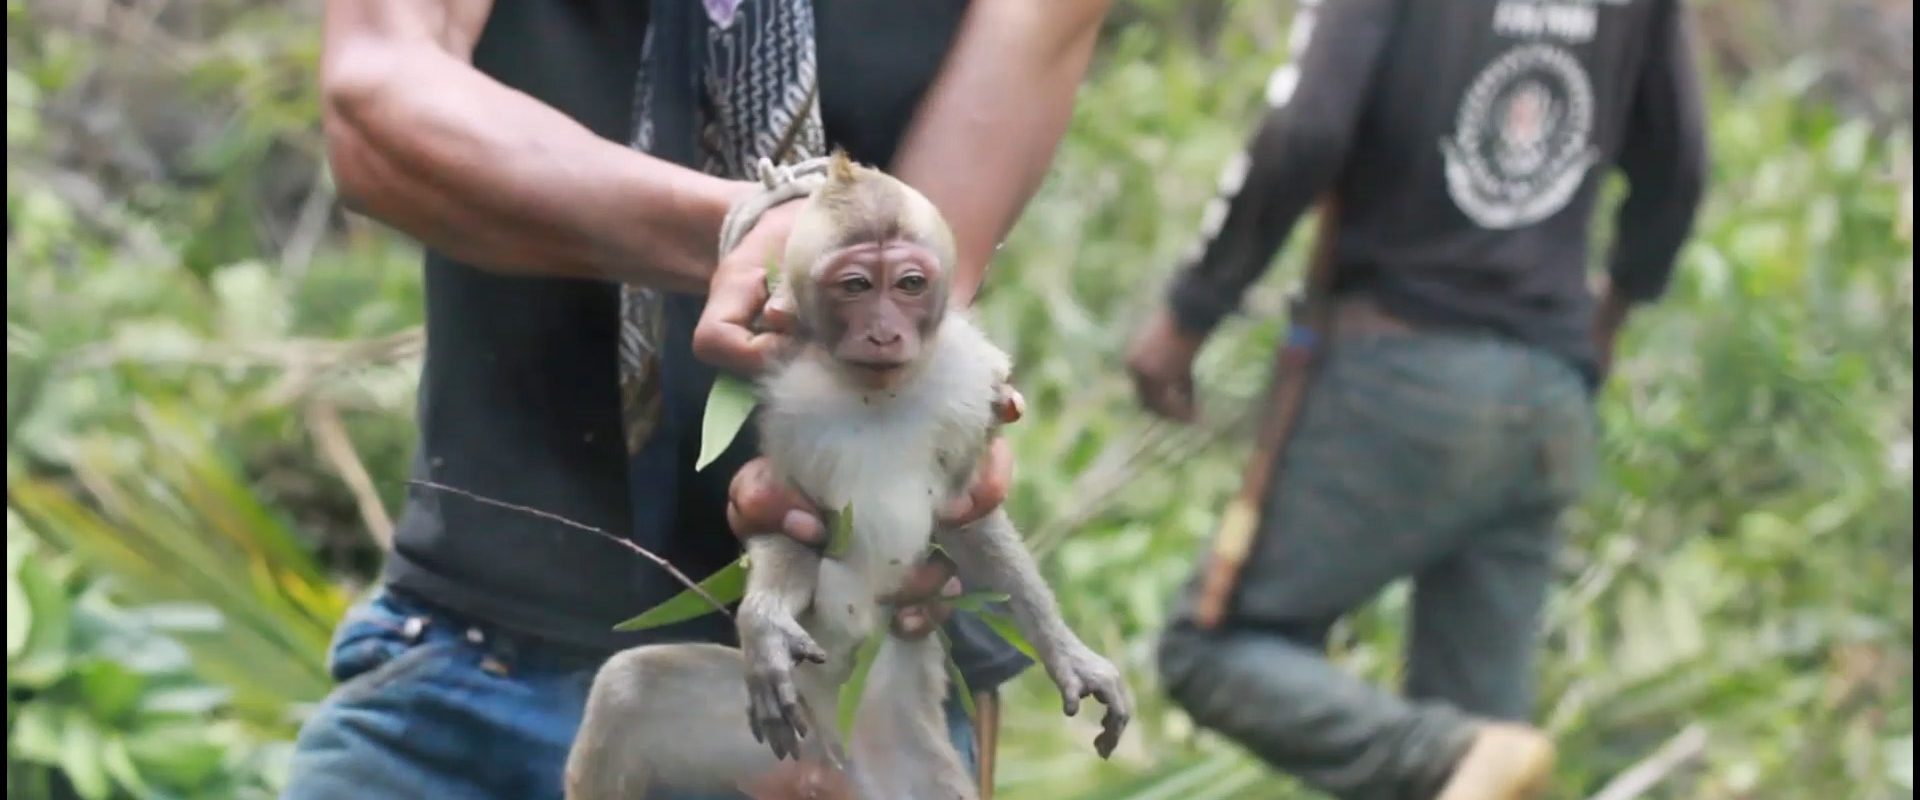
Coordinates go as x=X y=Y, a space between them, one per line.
x=867 y=205
x=868 y=264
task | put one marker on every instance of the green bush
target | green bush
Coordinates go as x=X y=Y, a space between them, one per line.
x=103 y=703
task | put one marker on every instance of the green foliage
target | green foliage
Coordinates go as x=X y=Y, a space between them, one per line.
x=183 y=299
x=725 y=585
x=855 y=689
x=728 y=405
x=102 y=702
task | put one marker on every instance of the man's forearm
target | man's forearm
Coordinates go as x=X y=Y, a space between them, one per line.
x=990 y=124
x=422 y=141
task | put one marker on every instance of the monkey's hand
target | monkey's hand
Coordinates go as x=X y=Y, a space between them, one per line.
x=1080 y=673
x=772 y=644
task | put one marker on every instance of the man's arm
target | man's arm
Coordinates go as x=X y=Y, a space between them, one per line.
x=1664 y=158
x=985 y=133
x=420 y=139
x=1295 y=156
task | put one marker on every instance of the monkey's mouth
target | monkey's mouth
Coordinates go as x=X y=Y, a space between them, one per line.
x=877 y=373
x=878 y=367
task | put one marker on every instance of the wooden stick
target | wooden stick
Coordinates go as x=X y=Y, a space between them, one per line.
x=1303 y=348
x=1684 y=748
x=986 y=736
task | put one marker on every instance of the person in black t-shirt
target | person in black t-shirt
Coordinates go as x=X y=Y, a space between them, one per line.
x=567 y=165
x=1450 y=422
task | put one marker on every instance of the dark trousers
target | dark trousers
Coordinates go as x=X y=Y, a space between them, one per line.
x=1447 y=459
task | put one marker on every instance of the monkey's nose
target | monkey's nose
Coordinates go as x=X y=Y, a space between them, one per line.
x=883 y=338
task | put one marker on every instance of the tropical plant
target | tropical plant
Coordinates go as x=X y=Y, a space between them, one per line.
x=103 y=703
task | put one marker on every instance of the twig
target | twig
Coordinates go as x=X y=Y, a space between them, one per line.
x=309 y=228
x=1678 y=751
x=580 y=526
x=330 y=436
x=1094 y=494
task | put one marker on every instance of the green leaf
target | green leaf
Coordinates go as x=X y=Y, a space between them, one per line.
x=1008 y=630
x=35 y=733
x=119 y=764
x=19 y=615
x=111 y=690
x=728 y=405
x=44 y=658
x=80 y=757
x=841 y=537
x=976 y=602
x=727 y=585
x=179 y=756
x=959 y=680
x=851 y=693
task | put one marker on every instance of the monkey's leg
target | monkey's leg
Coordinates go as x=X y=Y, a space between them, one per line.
x=991 y=555
x=665 y=717
x=900 y=738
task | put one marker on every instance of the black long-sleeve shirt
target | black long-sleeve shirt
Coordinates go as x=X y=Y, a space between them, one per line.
x=1465 y=141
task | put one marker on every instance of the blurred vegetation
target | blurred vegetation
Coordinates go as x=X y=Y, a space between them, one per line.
x=210 y=374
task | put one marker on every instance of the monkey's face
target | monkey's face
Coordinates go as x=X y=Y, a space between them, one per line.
x=879 y=302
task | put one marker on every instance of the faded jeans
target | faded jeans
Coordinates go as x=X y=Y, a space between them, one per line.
x=433 y=708
x=1447 y=459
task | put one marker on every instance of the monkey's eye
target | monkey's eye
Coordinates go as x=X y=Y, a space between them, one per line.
x=855 y=284
x=912 y=284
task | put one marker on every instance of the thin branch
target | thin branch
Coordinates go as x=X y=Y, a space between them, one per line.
x=580 y=526
x=1682 y=749
x=309 y=228
x=330 y=436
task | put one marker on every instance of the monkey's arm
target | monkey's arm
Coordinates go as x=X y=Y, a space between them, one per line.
x=781 y=577
x=990 y=555
x=1301 y=145
x=987 y=128
x=422 y=140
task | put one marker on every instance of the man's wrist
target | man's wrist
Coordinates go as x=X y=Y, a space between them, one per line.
x=1195 y=311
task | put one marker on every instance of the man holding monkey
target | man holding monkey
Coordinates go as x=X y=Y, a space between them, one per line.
x=568 y=164
x=1448 y=421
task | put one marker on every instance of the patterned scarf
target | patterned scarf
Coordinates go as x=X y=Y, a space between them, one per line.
x=717 y=91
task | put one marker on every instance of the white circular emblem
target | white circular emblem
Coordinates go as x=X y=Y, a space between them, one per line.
x=1521 y=145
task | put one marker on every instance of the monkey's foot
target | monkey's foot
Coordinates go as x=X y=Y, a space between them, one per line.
x=1081 y=673
x=776 y=713
x=1505 y=762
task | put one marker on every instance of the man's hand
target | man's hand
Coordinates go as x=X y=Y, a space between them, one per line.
x=1608 y=319
x=760 y=502
x=739 y=330
x=1161 y=363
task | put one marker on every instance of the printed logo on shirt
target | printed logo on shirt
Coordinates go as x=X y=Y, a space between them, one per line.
x=1522 y=141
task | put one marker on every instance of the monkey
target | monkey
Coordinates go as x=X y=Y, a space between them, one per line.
x=884 y=405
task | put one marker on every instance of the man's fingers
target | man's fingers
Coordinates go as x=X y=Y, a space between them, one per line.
x=758 y=501
x=1010 y=406
x=988 y=490
x=919 y=601
x=777 y=317
x=1170 y=399
x=924 y=583
x=724 y=336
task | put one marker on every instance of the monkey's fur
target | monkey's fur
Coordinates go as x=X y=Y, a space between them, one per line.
x=897 y=448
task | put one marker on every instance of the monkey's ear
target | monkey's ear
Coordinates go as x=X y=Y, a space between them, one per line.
x=840 y=169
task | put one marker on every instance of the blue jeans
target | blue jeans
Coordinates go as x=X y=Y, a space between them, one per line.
x=429 y=706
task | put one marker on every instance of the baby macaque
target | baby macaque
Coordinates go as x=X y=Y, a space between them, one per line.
x=886 y=405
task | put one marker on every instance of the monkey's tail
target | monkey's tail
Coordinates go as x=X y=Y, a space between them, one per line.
x=900 y=738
